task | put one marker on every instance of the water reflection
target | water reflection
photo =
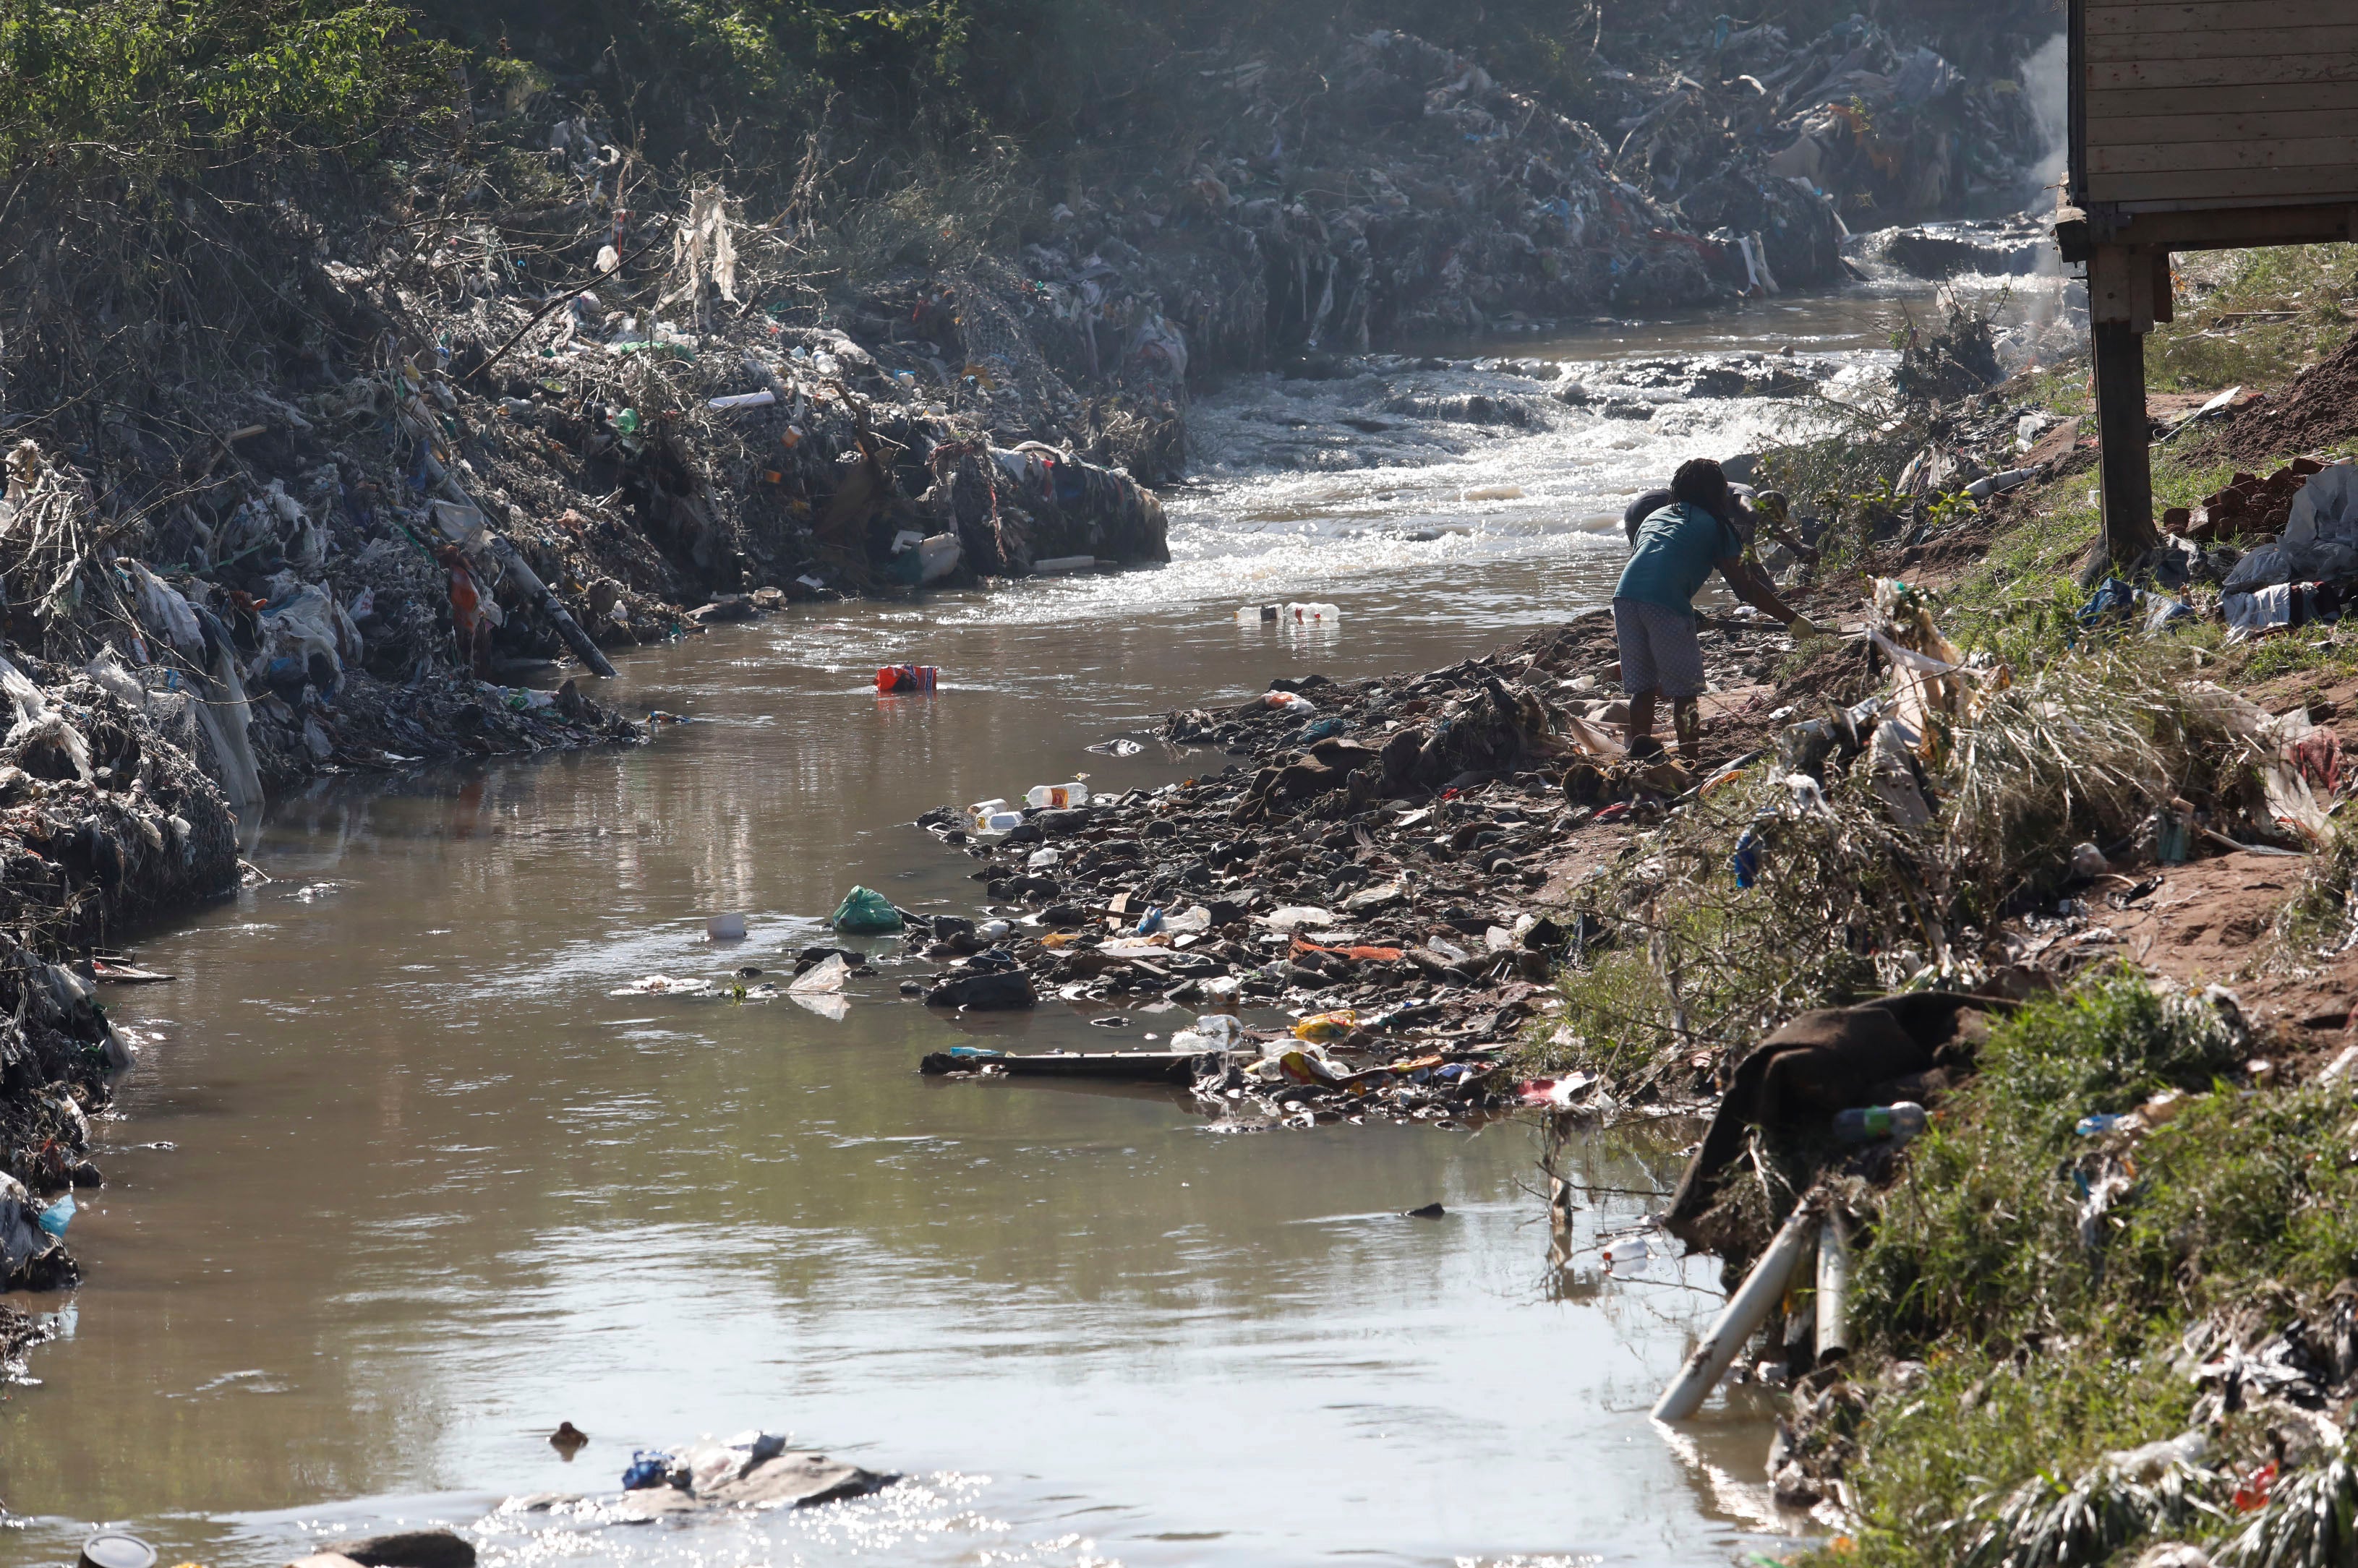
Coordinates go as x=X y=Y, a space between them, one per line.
x=430 y=1188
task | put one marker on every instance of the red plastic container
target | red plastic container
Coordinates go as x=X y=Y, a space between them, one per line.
x=906 y=678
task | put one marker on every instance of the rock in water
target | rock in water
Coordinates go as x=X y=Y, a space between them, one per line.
x=409 y=1549
x=993 y=990
x=796 y=1480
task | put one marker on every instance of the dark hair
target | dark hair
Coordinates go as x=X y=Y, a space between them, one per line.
x=1701 y=481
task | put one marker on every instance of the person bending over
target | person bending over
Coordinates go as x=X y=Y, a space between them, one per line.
x=1678 y=548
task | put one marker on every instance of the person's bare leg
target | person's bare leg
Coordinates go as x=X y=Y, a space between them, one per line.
x=1641 y=719
x=1686 y=723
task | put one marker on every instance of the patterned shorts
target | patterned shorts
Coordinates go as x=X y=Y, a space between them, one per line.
x=1659 y=649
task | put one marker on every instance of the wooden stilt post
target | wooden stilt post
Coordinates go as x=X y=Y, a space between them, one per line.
x=2126 y=460
x=2123 y=285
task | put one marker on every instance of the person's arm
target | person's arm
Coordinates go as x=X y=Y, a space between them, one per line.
x=1754 y=591
x=1787 y=538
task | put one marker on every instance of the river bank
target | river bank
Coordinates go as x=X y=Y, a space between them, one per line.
x=2094 y=1306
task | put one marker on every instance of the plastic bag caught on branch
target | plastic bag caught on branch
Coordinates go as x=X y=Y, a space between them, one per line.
x=703 y=248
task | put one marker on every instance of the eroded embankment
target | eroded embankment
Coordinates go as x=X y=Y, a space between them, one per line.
x=2060 y=863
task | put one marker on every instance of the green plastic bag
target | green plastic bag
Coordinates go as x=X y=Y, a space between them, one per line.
x=864 y=912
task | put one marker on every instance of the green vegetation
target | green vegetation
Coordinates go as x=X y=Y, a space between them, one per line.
x=179 y=86
x=2254 y=318
x=2017 y=1335
x=2050 y=1339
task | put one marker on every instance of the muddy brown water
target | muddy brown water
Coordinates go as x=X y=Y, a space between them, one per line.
x=397 y=1183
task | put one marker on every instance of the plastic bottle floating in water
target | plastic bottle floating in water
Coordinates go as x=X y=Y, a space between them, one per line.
x=1057 y=797
x=1628 y=1250
x=1313 y=614
x=992 y=817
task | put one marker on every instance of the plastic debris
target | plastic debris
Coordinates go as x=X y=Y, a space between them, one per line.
x=1328 y=1026
x=866 y=912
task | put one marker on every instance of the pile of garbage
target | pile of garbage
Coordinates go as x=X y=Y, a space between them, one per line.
x=58 y=1057
x=1377 y=873
x=751 y=1470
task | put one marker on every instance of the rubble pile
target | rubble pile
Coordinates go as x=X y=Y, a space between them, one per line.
x=2314 y=414
x=1378 y=870
x=58 y=1056
x=1877 y=116
x=1389 y=189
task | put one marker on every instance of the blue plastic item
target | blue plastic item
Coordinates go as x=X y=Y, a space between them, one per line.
x=58 y=1216
x=647 y=1469
x=1151 y=921
x=2112 y=597
x=1746 y=861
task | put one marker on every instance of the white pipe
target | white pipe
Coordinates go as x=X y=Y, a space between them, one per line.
x=1745 y=1312
x=1834 y=1288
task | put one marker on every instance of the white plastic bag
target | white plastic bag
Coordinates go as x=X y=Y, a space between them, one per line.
x=2265 y=567
x=2326 y=508
x=166 y=613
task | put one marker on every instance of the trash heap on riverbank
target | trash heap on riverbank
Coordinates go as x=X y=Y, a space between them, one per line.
x=1383 y=868
x=58 y=1055
x=2020 y=959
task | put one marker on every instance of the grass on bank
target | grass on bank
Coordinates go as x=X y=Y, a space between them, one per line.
x=2254 y=318
x=2012 y=1344
x=2046 y=1342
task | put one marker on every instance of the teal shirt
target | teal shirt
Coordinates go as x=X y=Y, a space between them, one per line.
x=1677 y=549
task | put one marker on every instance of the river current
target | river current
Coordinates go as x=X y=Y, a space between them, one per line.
x=399 y=1183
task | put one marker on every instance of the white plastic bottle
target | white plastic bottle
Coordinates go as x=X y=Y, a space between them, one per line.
x=1058 y=796
x=983 y=811
x=1313 y=614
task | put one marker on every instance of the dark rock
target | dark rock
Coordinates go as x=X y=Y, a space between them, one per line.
x=996 y=991
x=410 y=1549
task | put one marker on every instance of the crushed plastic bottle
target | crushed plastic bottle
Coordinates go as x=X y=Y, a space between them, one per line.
x=1213 y=1032
x=992 y=815
x=1290 y=701
x=1898 y=1121
x=1059 y=797
x=1324 y=1027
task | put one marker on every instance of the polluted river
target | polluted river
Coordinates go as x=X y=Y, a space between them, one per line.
x=399 y=1183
